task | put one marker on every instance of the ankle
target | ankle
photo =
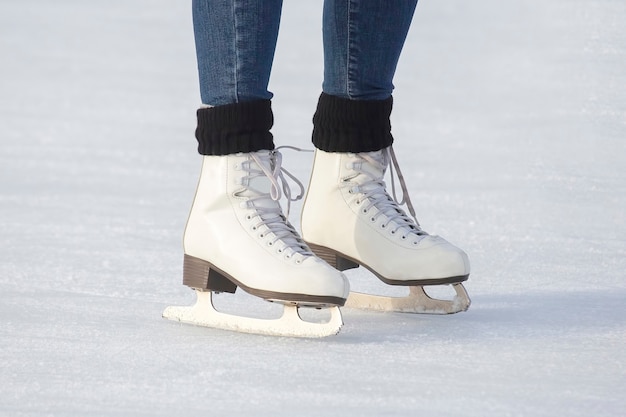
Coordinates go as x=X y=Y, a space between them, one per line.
x=344 y=125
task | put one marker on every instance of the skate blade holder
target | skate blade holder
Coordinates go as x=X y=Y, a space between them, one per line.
x=290 y=324
x=418 y=301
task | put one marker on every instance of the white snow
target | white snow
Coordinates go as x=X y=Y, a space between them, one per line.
x=510 y=126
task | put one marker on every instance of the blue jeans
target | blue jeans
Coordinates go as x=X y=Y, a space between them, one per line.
x=236 y=40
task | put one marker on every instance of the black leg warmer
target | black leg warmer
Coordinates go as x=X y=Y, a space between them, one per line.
x=343 y=125
x=233 y=128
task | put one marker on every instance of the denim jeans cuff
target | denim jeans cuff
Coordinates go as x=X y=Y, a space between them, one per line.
x=344 y=125
x=233 y=128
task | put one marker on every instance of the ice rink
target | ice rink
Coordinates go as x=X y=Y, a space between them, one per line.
x=510 y=127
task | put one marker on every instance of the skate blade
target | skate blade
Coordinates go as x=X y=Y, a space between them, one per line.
x=416 y=302
x=290 y=324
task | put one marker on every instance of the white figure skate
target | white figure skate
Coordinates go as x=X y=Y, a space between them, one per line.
x=238 y=236
x=350 y=220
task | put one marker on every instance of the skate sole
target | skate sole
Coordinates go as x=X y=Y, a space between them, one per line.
x=201 y=275
x=342 y=262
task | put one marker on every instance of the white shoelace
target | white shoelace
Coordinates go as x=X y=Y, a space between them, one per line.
x=373 y=194
x=270 y=212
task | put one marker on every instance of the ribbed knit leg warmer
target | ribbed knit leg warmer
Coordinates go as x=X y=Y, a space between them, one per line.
x=233 y=128
x=344 y=125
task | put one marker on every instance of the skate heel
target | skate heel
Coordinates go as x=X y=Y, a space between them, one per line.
x=200 y=275
x=333 y=258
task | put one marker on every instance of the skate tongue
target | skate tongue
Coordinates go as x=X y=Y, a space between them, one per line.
x=372 y=167
x=258 y=187
x=373 y=164
x=257 y=184
x=269 y=164
x=263 y=188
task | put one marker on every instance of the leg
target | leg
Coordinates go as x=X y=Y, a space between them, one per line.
x=235 y=44
x=349 y=218
x=236 y=233
x=362 y=44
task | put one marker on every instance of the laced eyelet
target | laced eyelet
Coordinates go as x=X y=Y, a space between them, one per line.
x=393 y=232
x=403 y=237
x=364 y=210
x=372 y=219
x=383 y=226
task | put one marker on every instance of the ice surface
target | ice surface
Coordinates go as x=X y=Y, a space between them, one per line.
x=509 y=119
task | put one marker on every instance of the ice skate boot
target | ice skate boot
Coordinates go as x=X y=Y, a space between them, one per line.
x=238 y=236
x=350 y=220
